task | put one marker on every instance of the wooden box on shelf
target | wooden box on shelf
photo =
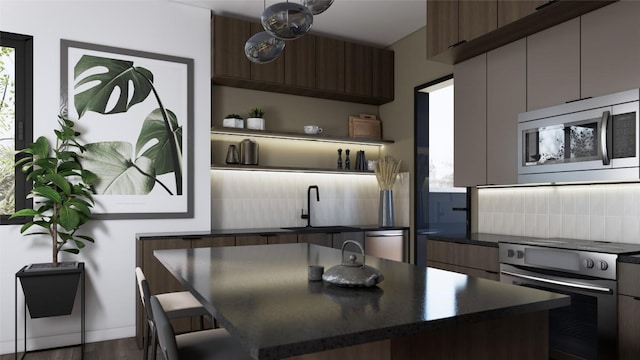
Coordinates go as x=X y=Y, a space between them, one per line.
x=365 y=126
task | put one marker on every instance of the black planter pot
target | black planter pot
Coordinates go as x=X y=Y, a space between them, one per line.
x=48 y=290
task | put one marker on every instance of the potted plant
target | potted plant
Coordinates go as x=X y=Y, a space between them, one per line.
x=233 y=120
x=255 y=120
x=62 y=204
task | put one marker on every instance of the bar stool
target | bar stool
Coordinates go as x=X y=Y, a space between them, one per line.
x=206 y=344
x=175 y=305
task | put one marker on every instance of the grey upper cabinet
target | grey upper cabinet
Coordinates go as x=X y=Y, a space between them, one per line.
x=553 y=71
x=506 y=98
x=470 y=122
x=610 y=49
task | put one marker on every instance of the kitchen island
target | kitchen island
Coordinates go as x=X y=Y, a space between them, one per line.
x=261 y=295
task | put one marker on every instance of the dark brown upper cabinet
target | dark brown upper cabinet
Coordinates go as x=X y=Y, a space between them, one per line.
x=300 y=62
x=358 y=69
x=229 y=36
x=329 y=64
x=510 y=11
x=383 y=68
x=314 y=66
x=460 y=30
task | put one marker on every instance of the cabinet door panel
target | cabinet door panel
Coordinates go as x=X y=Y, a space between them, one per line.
x=358 y=69
x=472 y=256
x=283 y=239
x=316 y=238
x=330 y=64
x=382 y=83
x=442 y=25
x=216 y=241
x=338 y=239
x=510 y=10
x=610 y=49
x=272 y=72
x=506 y=98
x=475 y=18
x=553 y=71
x=300 y=62
x=229 y=36
x=251 y=240
x=470 y=122
x=628 y=327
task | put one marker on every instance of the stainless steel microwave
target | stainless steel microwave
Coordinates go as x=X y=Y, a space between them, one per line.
x=594 y=139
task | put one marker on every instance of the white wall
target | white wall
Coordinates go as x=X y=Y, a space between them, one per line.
x=156 y=26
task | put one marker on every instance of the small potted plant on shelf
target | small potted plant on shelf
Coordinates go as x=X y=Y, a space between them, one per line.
x=233 y=121
x=62 y=204
x=255 y=120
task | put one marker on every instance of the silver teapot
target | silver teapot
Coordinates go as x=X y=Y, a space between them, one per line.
x=351 y=272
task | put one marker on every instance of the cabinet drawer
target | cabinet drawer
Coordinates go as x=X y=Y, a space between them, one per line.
x=473 y=256
x=628 y=279
x=465 y=270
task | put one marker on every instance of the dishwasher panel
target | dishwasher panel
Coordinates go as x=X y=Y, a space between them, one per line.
x=386 y=244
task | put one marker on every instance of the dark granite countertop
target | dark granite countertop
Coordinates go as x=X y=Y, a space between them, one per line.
x=257 y=231
x=261 y=295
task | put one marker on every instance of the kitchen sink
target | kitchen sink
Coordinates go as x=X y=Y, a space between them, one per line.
x=338 y=228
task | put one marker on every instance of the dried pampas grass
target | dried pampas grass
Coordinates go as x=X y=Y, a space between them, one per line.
x=387 y=170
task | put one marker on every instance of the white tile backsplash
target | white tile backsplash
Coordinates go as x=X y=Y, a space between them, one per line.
x=259 y=199
x=590 y=212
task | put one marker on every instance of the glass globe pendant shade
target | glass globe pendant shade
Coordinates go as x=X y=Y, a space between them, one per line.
x=317 y=6
x=287 y=21
x=263 y=48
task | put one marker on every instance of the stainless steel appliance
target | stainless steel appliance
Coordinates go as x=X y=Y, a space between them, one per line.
x=386 y=244
x=591 y=139
x=584 y=270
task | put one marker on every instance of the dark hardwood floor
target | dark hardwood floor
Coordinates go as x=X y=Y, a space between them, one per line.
x=120 y=349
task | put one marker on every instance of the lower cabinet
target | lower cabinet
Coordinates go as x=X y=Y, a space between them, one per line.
x=338 y=239
x=628 y=311
x=321 y=239
x=473 y=260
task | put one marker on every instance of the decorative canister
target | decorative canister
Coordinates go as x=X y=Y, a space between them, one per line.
x=248 y=152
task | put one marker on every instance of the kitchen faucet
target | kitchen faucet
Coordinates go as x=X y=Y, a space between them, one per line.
x=308 y=214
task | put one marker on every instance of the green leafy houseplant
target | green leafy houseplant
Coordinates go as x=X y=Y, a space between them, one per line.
x=61 y=190
x=256 y=112
x=233 y=116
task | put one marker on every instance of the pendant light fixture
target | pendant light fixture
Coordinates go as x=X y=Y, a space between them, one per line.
x=287 y=21
x=316 y=6
x=263 y=48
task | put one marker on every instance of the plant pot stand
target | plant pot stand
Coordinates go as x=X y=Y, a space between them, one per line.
x=51 y=277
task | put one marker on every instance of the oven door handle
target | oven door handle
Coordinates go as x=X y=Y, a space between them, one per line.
x=558 y=282
x=604 y=125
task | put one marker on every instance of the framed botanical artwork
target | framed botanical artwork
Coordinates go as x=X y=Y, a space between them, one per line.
x=135 y=112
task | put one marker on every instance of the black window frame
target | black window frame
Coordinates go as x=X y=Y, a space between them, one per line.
x=23 y=45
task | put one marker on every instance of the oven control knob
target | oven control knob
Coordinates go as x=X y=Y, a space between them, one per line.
x=520 y=254
x=510 y=253
x=604 y=265
x=588 y=263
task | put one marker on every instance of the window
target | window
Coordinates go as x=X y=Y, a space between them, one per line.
x=16 y=119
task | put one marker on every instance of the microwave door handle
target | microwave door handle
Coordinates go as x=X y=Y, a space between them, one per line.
x=604 y=124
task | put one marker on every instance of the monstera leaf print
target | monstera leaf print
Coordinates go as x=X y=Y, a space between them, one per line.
x=117 y=173
x=119 y=75
x=103 y=82
x=154 y=131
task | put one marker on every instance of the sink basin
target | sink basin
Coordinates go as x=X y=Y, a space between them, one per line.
x=321 y=228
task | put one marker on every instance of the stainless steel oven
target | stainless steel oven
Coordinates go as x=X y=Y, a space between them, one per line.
x=591 y=139
x=587 y=329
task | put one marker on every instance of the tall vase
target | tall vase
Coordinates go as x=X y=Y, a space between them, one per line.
x=385 y=209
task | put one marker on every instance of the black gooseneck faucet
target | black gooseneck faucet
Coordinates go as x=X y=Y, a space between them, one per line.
x=308 y=214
